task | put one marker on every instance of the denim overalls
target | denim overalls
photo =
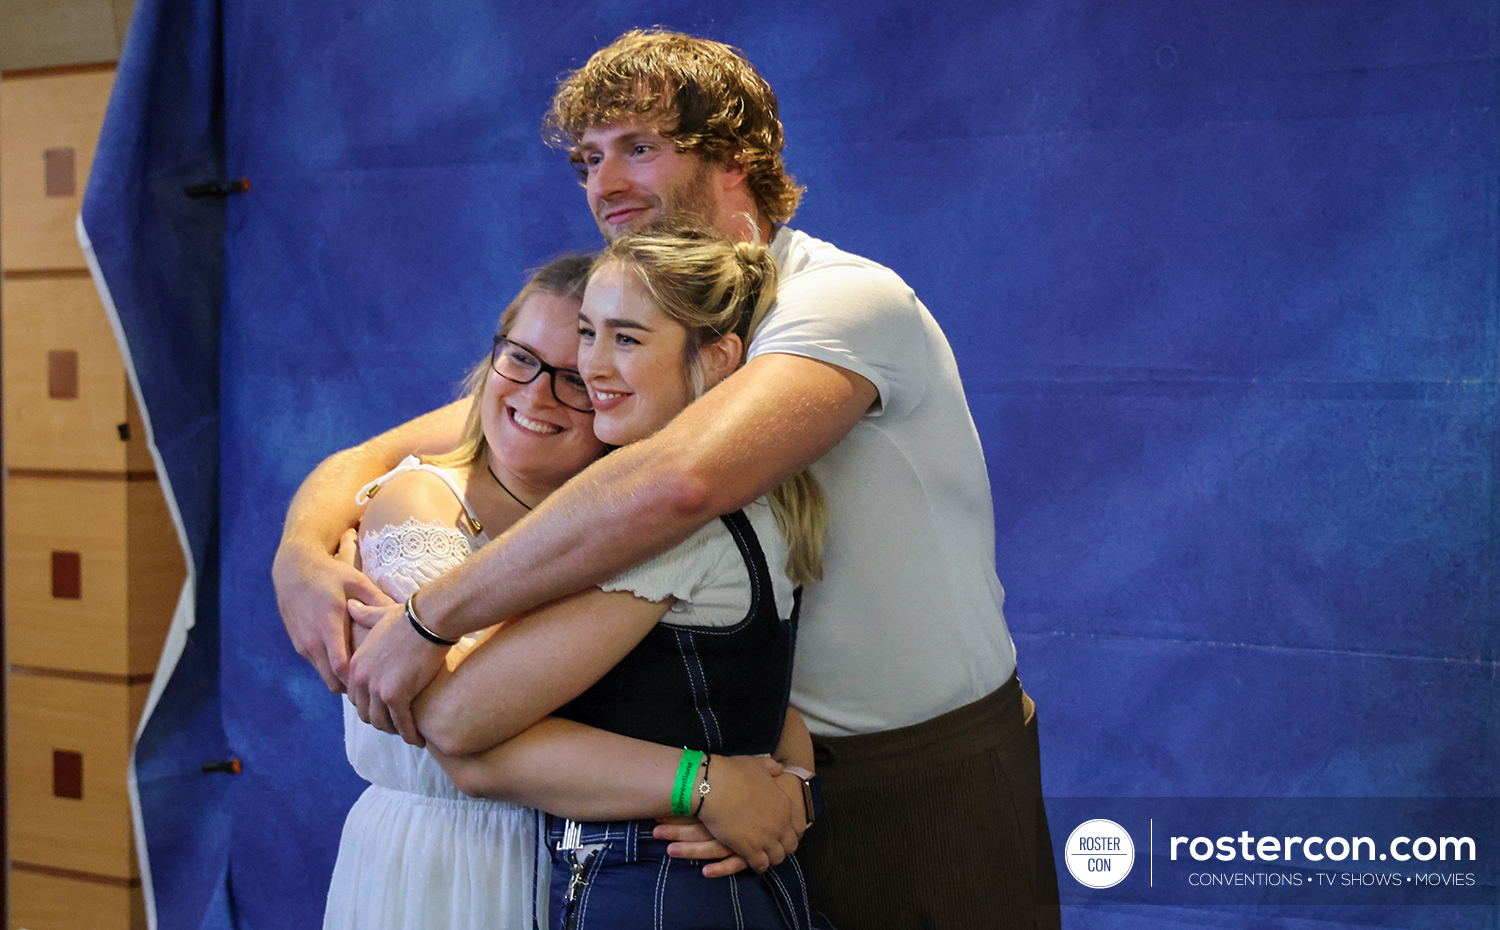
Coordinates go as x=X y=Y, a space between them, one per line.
x=723 y=690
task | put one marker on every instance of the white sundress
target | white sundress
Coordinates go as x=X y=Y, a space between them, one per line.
x=416 y=853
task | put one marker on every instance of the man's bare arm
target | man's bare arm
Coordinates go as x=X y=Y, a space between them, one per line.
x=311 y=585
x=766 y=422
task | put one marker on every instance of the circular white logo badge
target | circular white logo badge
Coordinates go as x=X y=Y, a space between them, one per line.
x=1099 y=853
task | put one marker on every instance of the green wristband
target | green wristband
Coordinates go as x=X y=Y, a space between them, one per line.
x=687 y=778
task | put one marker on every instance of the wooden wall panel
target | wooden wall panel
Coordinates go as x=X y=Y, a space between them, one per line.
x=44 y=316
x=38 y=114
x=123 y=11
x=92 y=834
x=91 y=562
x=114 y=618
x=52 y=902
x=86 y=634
x=48 y=33
x=137 y=454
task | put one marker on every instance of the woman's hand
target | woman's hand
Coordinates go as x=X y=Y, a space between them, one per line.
x=690 y=839
x=746 y=812
x=348 y=550
x=348 y=553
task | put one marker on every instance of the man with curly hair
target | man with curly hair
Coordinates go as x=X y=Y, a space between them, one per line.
x=905 y=672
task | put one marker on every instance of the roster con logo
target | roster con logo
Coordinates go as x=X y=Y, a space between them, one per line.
x=1099 y=853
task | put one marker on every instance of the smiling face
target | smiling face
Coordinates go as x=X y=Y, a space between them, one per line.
x=535 y=442
x=632 y=356
x=633 y=174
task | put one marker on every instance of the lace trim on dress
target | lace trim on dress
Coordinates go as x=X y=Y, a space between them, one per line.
x=414 y=540
x=412 y=553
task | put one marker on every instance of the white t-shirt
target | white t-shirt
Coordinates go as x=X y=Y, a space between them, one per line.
x=708 y=577
x=907 y=623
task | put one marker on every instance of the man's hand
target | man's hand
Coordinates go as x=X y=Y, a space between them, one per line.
x=390 y=669
x=746 y=812
x=312 y=588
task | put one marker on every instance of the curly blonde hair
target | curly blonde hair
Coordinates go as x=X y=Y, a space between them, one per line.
x=716 y=105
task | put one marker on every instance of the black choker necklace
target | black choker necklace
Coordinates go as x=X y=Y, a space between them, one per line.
x=504 y=488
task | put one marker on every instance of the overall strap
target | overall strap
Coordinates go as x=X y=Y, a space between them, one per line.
x=761 y=595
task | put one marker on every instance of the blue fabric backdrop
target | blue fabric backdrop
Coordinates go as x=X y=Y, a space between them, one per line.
x=1221 y=279
x=158 y=258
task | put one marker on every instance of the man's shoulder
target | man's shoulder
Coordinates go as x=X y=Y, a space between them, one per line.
x=836 y=307
x=805 y=260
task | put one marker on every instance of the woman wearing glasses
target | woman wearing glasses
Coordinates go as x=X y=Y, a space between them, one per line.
x=415 y=850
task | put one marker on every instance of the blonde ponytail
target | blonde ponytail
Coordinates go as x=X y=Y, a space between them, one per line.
x=801 y=512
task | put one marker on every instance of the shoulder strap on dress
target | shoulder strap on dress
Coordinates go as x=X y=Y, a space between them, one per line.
x=412 y=463
x=748 y=542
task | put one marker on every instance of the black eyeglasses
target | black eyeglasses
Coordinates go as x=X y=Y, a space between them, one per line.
x=515 y=362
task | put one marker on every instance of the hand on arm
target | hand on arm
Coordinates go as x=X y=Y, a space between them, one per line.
x=765 y=422
x=391 y=659
x=576 y=771
x=747 y=812
x=312 y=586
x=755 y=812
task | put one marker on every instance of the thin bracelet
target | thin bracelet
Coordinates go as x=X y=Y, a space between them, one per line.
x=687 y=779
x=702 y=791
x=421 y=628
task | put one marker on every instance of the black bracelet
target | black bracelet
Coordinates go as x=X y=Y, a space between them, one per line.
x=421 y=628
x=702 y=791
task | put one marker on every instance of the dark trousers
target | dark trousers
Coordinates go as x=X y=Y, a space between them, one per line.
x=939 y=824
